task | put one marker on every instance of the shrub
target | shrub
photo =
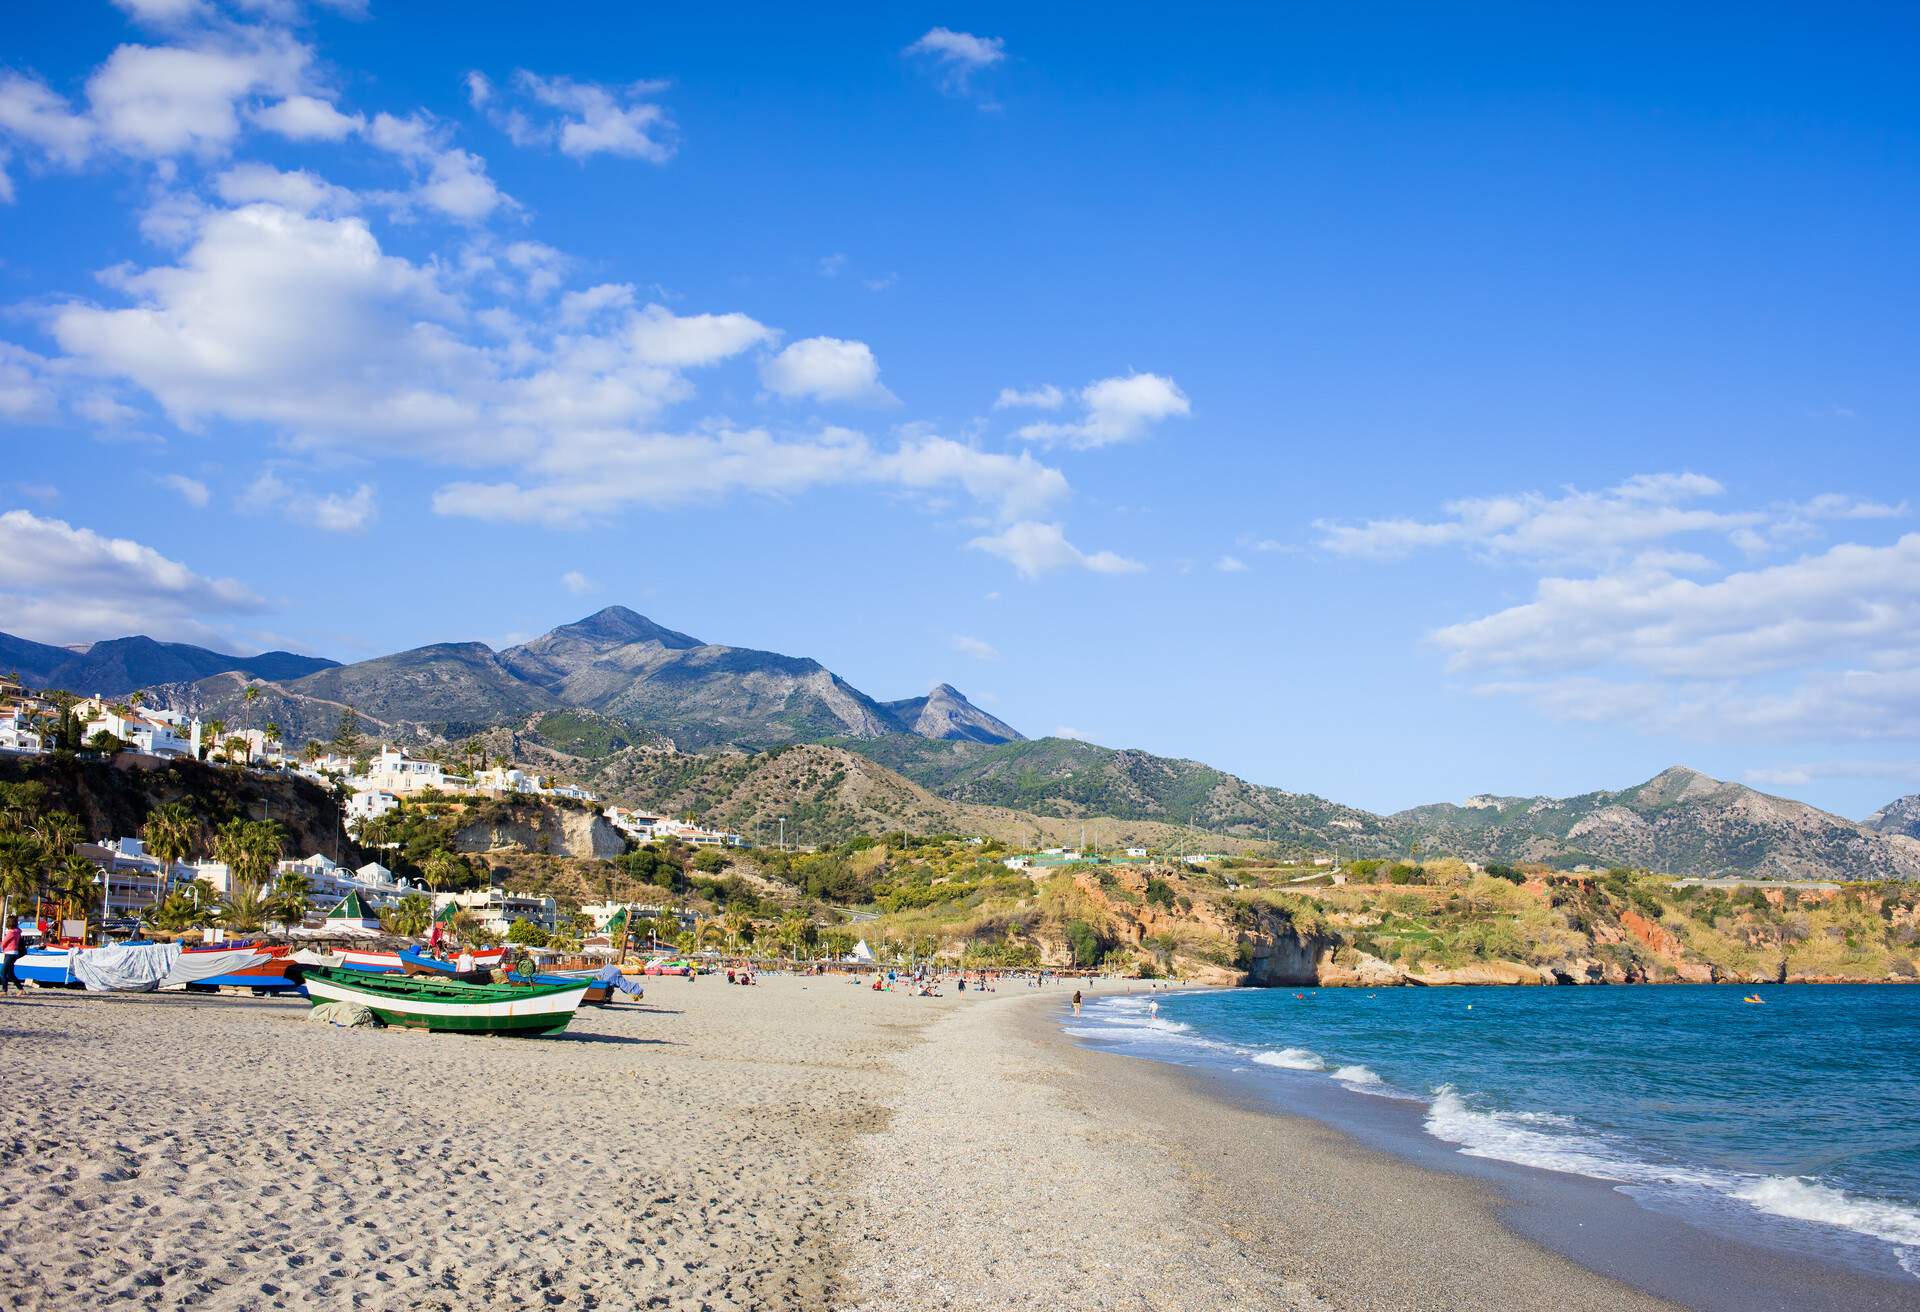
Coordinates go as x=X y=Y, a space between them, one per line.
x=1159 y=891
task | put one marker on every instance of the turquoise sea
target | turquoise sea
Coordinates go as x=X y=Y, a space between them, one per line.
x=1792 y=1123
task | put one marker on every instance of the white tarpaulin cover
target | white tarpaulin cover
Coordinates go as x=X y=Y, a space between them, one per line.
x=143 y=967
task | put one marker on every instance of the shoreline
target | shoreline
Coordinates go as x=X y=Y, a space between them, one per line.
x=1282 y=1124
x=1110 y=1182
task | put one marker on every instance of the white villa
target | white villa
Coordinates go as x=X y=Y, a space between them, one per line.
x=498 y=908
x=370 y=805
x=329 y=882
x=393 y=771
x=17 y=735
x=154 y=731
x=644 y=828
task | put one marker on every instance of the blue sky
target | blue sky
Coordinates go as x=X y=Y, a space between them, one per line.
x=1395 y=404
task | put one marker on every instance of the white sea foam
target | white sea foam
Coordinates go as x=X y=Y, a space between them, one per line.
x=1555 y=1143
x=1293 y=1059
x=1358 y=1077
x=1809 y=1200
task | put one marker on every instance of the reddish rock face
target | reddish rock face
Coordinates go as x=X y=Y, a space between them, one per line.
x=1656 y=938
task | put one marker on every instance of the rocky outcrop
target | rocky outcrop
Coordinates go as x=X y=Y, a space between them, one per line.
x=1484 y=972
x=543 y=831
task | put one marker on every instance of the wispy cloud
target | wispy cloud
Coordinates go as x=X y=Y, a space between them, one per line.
x=1034 y=548
x=978 y=648
x=959 y=58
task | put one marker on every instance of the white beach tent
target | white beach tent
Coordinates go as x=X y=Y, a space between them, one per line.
x=861 y=953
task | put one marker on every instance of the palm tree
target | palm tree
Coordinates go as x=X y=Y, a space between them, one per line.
x=272 y=733
x=71 y=881
x=169 y=833
x=19 y=862
x=739 y=928
x=441 y=868
x=410 y=917
x=250 y=696
x=215 y=729
x=287 y=902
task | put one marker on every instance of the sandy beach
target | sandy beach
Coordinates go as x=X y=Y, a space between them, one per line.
x=803 y=1144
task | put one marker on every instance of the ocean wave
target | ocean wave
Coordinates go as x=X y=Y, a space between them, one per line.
x=1555 y=1143
x=1359 y=1077
x=1292 y=1059
x=1808 y=1200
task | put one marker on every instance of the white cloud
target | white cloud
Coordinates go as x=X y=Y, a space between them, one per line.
x=63 y=584
x=1034 y=548
x=1044 y=397
x=825 y=369
x=336 y=513
x=291 y=320
x=298 y=190
x=191 y=491
x=1230 y=565
x=25 y=390
x=308 y=118
x=332 y=511
x=1017 y=485
x=1573 y=526
x=592 y=118
x=978 y=648
x=33 y=113
x=958 y=56
x=576 y=583
x=163 y=13
x=1795 y=776
x=661 y=337
x=1068 y=731
x=1849 y=599
x=832 y=265
x=1119 y=409
x=166 y=100
x=580 y=307
x=1820 y=646
x=446 y=178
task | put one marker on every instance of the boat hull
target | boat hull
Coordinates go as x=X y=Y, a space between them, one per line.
x=450 y=1007
x=394 y=963
x=47 y=967
x=269 y=976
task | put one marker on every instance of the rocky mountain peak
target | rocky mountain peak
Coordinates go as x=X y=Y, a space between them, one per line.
x=1900 y=816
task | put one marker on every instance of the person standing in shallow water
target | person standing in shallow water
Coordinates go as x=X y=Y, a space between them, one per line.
x=1076 y=1002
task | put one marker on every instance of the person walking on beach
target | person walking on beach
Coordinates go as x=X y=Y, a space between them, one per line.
x=10 y=953
x=1076 y=1002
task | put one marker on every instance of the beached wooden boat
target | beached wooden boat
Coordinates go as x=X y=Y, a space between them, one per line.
x=448 y=1005
x=49 y=967
x=269 y=976
x=394 y=963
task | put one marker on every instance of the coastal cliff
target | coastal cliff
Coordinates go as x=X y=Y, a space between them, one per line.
x=539 y=829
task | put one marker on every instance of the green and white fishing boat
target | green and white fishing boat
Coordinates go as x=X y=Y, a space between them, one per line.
x=433 y=1003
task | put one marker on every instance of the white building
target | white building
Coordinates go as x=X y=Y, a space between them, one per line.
x=370 y=805
x=393 y=771
x=498 y=908
x=329 y=882
x=17 y=737
x=155 y=732
x=508 y=779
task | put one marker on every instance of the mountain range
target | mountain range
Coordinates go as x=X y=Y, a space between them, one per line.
x=656 y=717
x=119 y=665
